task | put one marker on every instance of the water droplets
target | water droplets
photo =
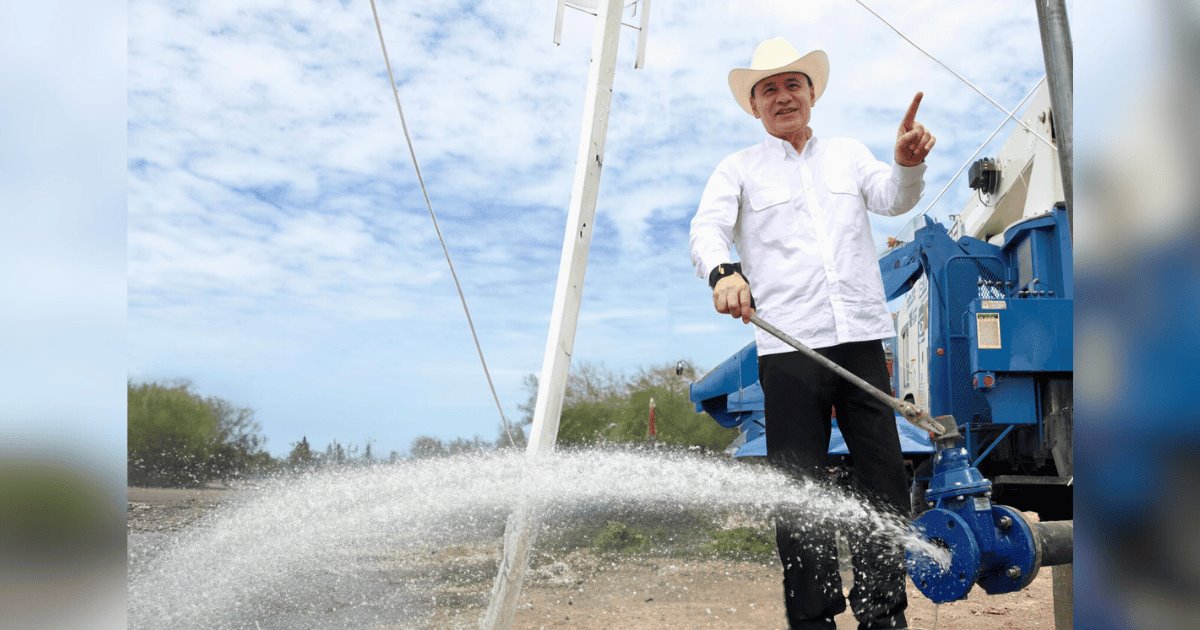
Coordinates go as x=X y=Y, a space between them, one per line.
x=345 y=548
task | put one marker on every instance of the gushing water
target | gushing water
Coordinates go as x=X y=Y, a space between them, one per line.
x=352 y=548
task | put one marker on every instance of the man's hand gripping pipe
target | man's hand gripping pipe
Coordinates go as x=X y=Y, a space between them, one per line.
x=940 y=428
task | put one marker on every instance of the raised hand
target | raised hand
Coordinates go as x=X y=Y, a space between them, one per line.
x=913 y=140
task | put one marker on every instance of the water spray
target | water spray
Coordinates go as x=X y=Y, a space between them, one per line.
x=361 y=547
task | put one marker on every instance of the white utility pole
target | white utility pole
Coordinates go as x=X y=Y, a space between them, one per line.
x=568 y=293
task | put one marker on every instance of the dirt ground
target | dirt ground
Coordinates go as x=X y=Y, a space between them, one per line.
x=170 y=509
x=584 y=590
x=708 y=594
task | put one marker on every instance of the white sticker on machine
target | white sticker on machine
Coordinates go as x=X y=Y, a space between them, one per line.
x=987 y=329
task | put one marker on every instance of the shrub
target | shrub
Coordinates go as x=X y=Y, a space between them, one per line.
x=742 y=543
x=620 y=538
x=600 y=406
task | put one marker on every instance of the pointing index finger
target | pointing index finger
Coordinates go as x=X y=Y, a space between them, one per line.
x=910 y=116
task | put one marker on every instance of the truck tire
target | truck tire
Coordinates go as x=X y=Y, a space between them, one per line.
x=920 y=483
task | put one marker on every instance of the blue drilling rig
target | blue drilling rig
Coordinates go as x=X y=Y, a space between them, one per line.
x=1000 y=323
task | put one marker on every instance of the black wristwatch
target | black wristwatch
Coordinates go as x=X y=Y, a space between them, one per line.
x=722 y=270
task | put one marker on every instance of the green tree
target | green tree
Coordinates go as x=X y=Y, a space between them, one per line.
x=530 y=383
x=173 y=436
x=592 y=422
x=301 y=457
x=424 y=447
x=336 y=454
x=676 y=420
x=459 y=446
x=602 y=406
x=519 y=441
x=240 y=445
x=592 y=406
x=177 y=438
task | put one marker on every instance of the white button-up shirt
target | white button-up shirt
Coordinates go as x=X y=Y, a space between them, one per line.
x=800 y=225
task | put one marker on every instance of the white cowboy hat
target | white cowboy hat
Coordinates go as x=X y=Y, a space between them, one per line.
x=772 y=57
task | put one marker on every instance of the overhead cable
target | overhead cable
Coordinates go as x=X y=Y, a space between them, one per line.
x=981 y=147
x=433 y=216
x=960 y=77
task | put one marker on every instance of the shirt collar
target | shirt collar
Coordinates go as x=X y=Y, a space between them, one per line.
x=785 y=150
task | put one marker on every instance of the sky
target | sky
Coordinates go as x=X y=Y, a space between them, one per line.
x=279 y=253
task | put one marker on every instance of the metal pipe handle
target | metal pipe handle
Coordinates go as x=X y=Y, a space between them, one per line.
x=911 y=412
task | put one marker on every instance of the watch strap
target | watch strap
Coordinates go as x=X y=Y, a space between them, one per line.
x=723 y=270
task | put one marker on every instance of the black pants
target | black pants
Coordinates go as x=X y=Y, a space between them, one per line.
x=800 y=395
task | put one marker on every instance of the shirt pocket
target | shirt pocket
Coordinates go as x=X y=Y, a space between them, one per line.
x=839 y=171
x=844 y=204
x=841 y=184
x=769 y=197
x=770 y=219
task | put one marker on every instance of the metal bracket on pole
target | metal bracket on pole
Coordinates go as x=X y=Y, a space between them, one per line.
x=589 y=7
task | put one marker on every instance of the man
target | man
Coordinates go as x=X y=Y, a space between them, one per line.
x=795 y=206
